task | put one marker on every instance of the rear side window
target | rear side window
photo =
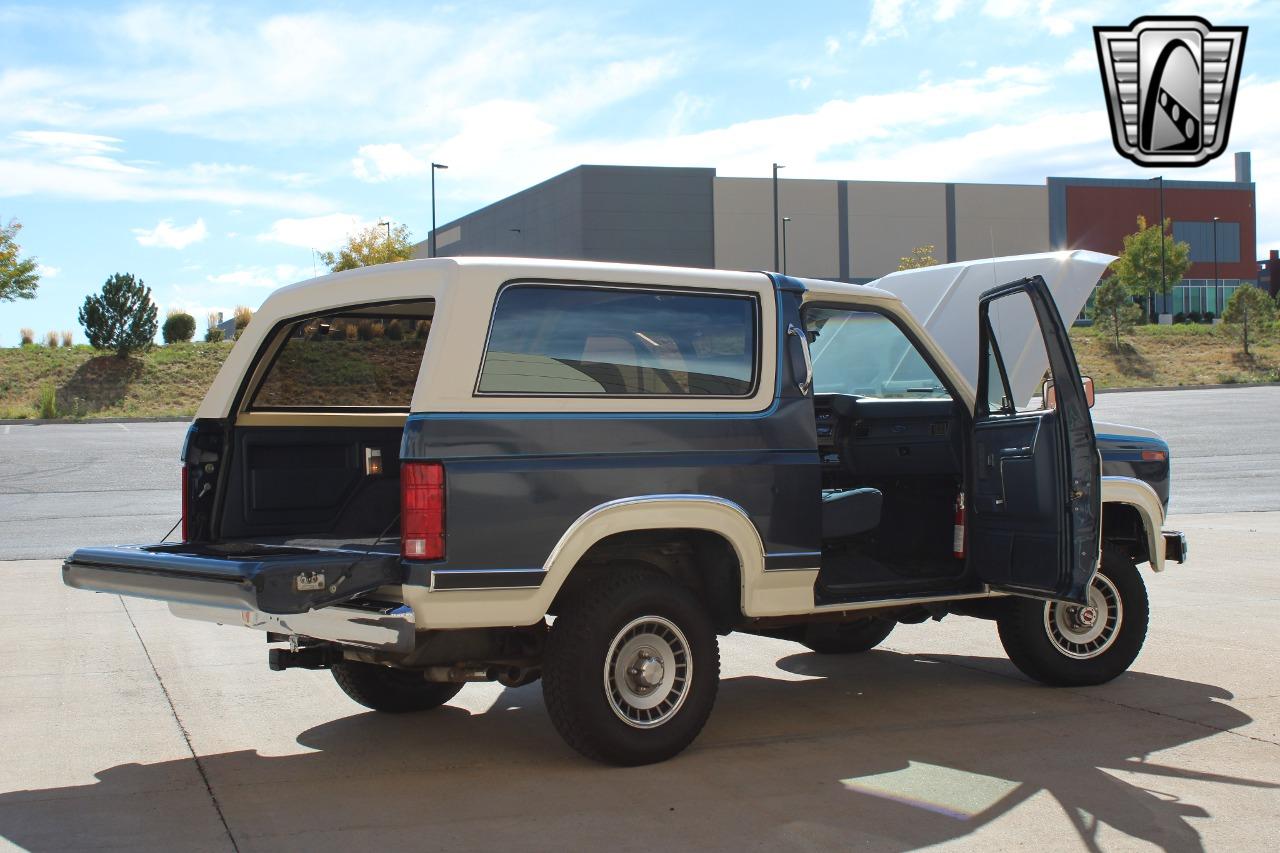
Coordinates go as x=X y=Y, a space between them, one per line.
x=588 y=341
x=366 y=360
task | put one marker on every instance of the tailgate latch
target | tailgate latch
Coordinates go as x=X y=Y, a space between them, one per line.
x=309 y=581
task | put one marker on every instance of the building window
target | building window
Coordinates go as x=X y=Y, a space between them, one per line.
x=588 y=341
x=1199 y=236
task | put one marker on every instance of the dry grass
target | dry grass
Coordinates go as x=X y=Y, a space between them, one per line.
x=1174 y=355
x=165 y=381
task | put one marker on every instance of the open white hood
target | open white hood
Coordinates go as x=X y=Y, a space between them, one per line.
x=944 y=299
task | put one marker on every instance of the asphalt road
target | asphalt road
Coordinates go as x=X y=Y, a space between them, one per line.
x=63 y=486
x=1224 y=443
x=125 y=728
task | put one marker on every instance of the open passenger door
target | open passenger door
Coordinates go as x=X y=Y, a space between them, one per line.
x=1035 y=508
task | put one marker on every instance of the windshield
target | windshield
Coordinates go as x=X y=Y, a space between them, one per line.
x=863 y=353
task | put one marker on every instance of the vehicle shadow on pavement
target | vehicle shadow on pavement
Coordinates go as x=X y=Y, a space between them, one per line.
x=887 y=750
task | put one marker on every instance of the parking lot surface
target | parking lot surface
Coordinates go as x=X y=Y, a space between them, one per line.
x=127 y=728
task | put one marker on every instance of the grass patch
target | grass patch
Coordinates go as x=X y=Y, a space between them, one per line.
x=1186 y=354
x=77 y=382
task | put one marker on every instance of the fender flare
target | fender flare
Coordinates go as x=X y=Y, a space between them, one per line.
x=1143 y=498
x=657 y=512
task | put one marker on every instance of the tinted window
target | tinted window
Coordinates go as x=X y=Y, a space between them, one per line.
x=863 y=353
x=587 y=341
x=342 y=361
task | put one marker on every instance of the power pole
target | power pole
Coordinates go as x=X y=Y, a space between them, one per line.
x=776 y=263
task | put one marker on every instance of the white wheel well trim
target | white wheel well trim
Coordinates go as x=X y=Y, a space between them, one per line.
x=1139 y=495
x=658 y=512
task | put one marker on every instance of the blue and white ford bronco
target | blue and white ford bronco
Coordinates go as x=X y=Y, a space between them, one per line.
x=427 y=473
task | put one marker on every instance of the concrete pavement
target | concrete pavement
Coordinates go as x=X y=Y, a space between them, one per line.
x=125 y=727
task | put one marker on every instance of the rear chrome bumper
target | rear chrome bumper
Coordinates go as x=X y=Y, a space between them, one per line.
x=1175 y=546
x=385 y=629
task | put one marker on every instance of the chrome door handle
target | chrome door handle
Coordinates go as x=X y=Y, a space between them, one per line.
x=793 y=329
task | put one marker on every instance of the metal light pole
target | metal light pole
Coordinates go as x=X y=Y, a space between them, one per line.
x=434 y=166
x=387 y=224
x=1164 y=285
x=785 y=220
x=776 y=167
x=1217 y=281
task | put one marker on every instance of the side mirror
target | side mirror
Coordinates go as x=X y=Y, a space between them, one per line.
x=1051 y=398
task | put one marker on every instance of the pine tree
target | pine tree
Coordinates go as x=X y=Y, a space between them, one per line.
x=1250 y=313
x=123 y=318
x=1113 y=309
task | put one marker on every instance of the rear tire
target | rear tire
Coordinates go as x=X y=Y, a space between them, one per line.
x=844 y=638
x=392 y=691
x=1069 y=646
x=631 y=668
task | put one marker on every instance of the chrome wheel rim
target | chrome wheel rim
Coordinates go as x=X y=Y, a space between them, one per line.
x=647 y=672
x=1086 y=631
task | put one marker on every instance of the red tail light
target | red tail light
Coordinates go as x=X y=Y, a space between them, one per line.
x=422 y=511
x=186 y=503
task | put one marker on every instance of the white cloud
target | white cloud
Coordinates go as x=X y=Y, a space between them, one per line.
x=383 y=162
x=166 y=235
x=62 y=141
x=1084 y=59
x=831 y=45
x=47 y=271
x=946 y=9
x=800 y=83
x=260 y=276
x=885 y=21
x=315 y=232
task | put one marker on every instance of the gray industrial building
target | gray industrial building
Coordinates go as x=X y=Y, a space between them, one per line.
x=846 y=230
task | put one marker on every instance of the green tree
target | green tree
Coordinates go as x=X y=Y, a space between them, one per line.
x=1113 y=310
x=1250 y=314
x=370 y=246
x=921 y=256
x=19 y=277
x=1138 y=267
x=122 y=318
x=179 y=327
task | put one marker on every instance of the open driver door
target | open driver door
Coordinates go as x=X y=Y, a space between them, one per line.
x=1035 y=506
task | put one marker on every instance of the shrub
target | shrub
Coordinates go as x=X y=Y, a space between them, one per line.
x=28 y=336
x=1194 y=317
x=47 y=403
x=122 y=317
x=395 y=332
x=379 y=329
x=1208 y=316
x=364 y=330
x=179 y=327
x=51 y=340
x=213 y=335
x=243 y=314
x=424 y=329
x=67 y=338
x=1179 y=318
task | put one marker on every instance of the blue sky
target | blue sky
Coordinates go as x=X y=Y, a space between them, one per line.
x=208 y=149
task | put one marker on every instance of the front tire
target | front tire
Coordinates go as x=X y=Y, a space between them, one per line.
x=1075 y=646
x=392 y=691
x=631 y=668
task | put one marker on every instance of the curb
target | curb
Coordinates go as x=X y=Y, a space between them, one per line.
x=1187 y=387
x=66 y=421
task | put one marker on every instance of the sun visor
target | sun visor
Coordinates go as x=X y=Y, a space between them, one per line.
x=944 y=299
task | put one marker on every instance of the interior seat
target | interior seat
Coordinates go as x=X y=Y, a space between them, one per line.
x=850 y=512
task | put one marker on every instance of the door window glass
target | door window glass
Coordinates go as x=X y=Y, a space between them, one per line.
x=865 y=353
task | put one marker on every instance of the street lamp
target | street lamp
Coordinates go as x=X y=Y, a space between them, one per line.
x=776 y=167
x=1164 y=287
x=785 y=220
x=434 y=166
x=1217 y=281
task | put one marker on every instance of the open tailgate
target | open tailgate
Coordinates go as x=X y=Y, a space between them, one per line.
x=268 y=578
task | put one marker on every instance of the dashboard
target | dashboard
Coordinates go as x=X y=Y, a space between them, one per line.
x=871 y=437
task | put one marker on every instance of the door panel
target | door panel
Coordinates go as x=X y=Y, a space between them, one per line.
x=1035 y=480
